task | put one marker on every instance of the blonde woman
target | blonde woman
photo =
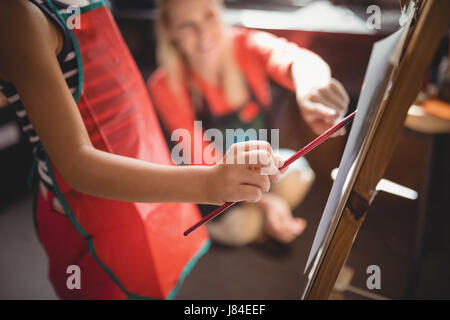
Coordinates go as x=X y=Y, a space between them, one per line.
x=222 y=76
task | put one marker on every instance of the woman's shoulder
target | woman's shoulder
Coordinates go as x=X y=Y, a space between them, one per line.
x=158 y=85
x=159 y=88
x=174 y=110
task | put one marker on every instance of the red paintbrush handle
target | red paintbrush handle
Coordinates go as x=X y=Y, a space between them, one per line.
x=324 y=136
x=211 y=215
x=310 y=146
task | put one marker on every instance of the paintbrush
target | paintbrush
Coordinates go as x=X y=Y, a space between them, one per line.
x=310 y=146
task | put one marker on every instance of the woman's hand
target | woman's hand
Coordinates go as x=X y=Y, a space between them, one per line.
x=245 y=172
x=324 y=105
x=280 y=223
x=323 y=100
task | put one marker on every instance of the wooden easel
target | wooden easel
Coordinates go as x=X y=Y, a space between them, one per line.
x=432 y=21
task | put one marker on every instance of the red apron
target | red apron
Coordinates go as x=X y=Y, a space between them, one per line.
x=138 y=248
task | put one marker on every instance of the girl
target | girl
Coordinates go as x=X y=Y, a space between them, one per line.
x=223 y=77
x=109 y=202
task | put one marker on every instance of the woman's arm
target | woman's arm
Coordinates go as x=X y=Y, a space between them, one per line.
x=322 y=100
x=279 y=55
x=28 y=59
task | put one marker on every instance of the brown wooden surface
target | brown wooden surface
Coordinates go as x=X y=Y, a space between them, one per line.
x=344 y=237
x=432 y=24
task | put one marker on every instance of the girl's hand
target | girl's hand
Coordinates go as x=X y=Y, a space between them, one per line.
x=323 y=106
x=245 y=172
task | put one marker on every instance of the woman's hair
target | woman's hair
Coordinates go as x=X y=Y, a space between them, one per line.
x=170 y=58
x=167 y=56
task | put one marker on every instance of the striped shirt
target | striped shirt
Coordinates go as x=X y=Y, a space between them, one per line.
x=68 y=63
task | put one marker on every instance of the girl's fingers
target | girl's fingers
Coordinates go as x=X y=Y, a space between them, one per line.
x=278 y=161
x=249 y=193
x=252 y=145
x=260 y=159
x=247 y=153
x=253 y=177
x=276 y=177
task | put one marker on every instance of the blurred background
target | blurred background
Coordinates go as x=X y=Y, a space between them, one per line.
x=407 y=238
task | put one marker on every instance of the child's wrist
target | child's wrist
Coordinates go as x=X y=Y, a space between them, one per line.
x=209 y=185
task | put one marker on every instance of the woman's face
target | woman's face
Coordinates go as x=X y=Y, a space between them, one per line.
x=196 y=28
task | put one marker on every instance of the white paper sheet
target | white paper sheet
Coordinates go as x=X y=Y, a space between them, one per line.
x=385 y=54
